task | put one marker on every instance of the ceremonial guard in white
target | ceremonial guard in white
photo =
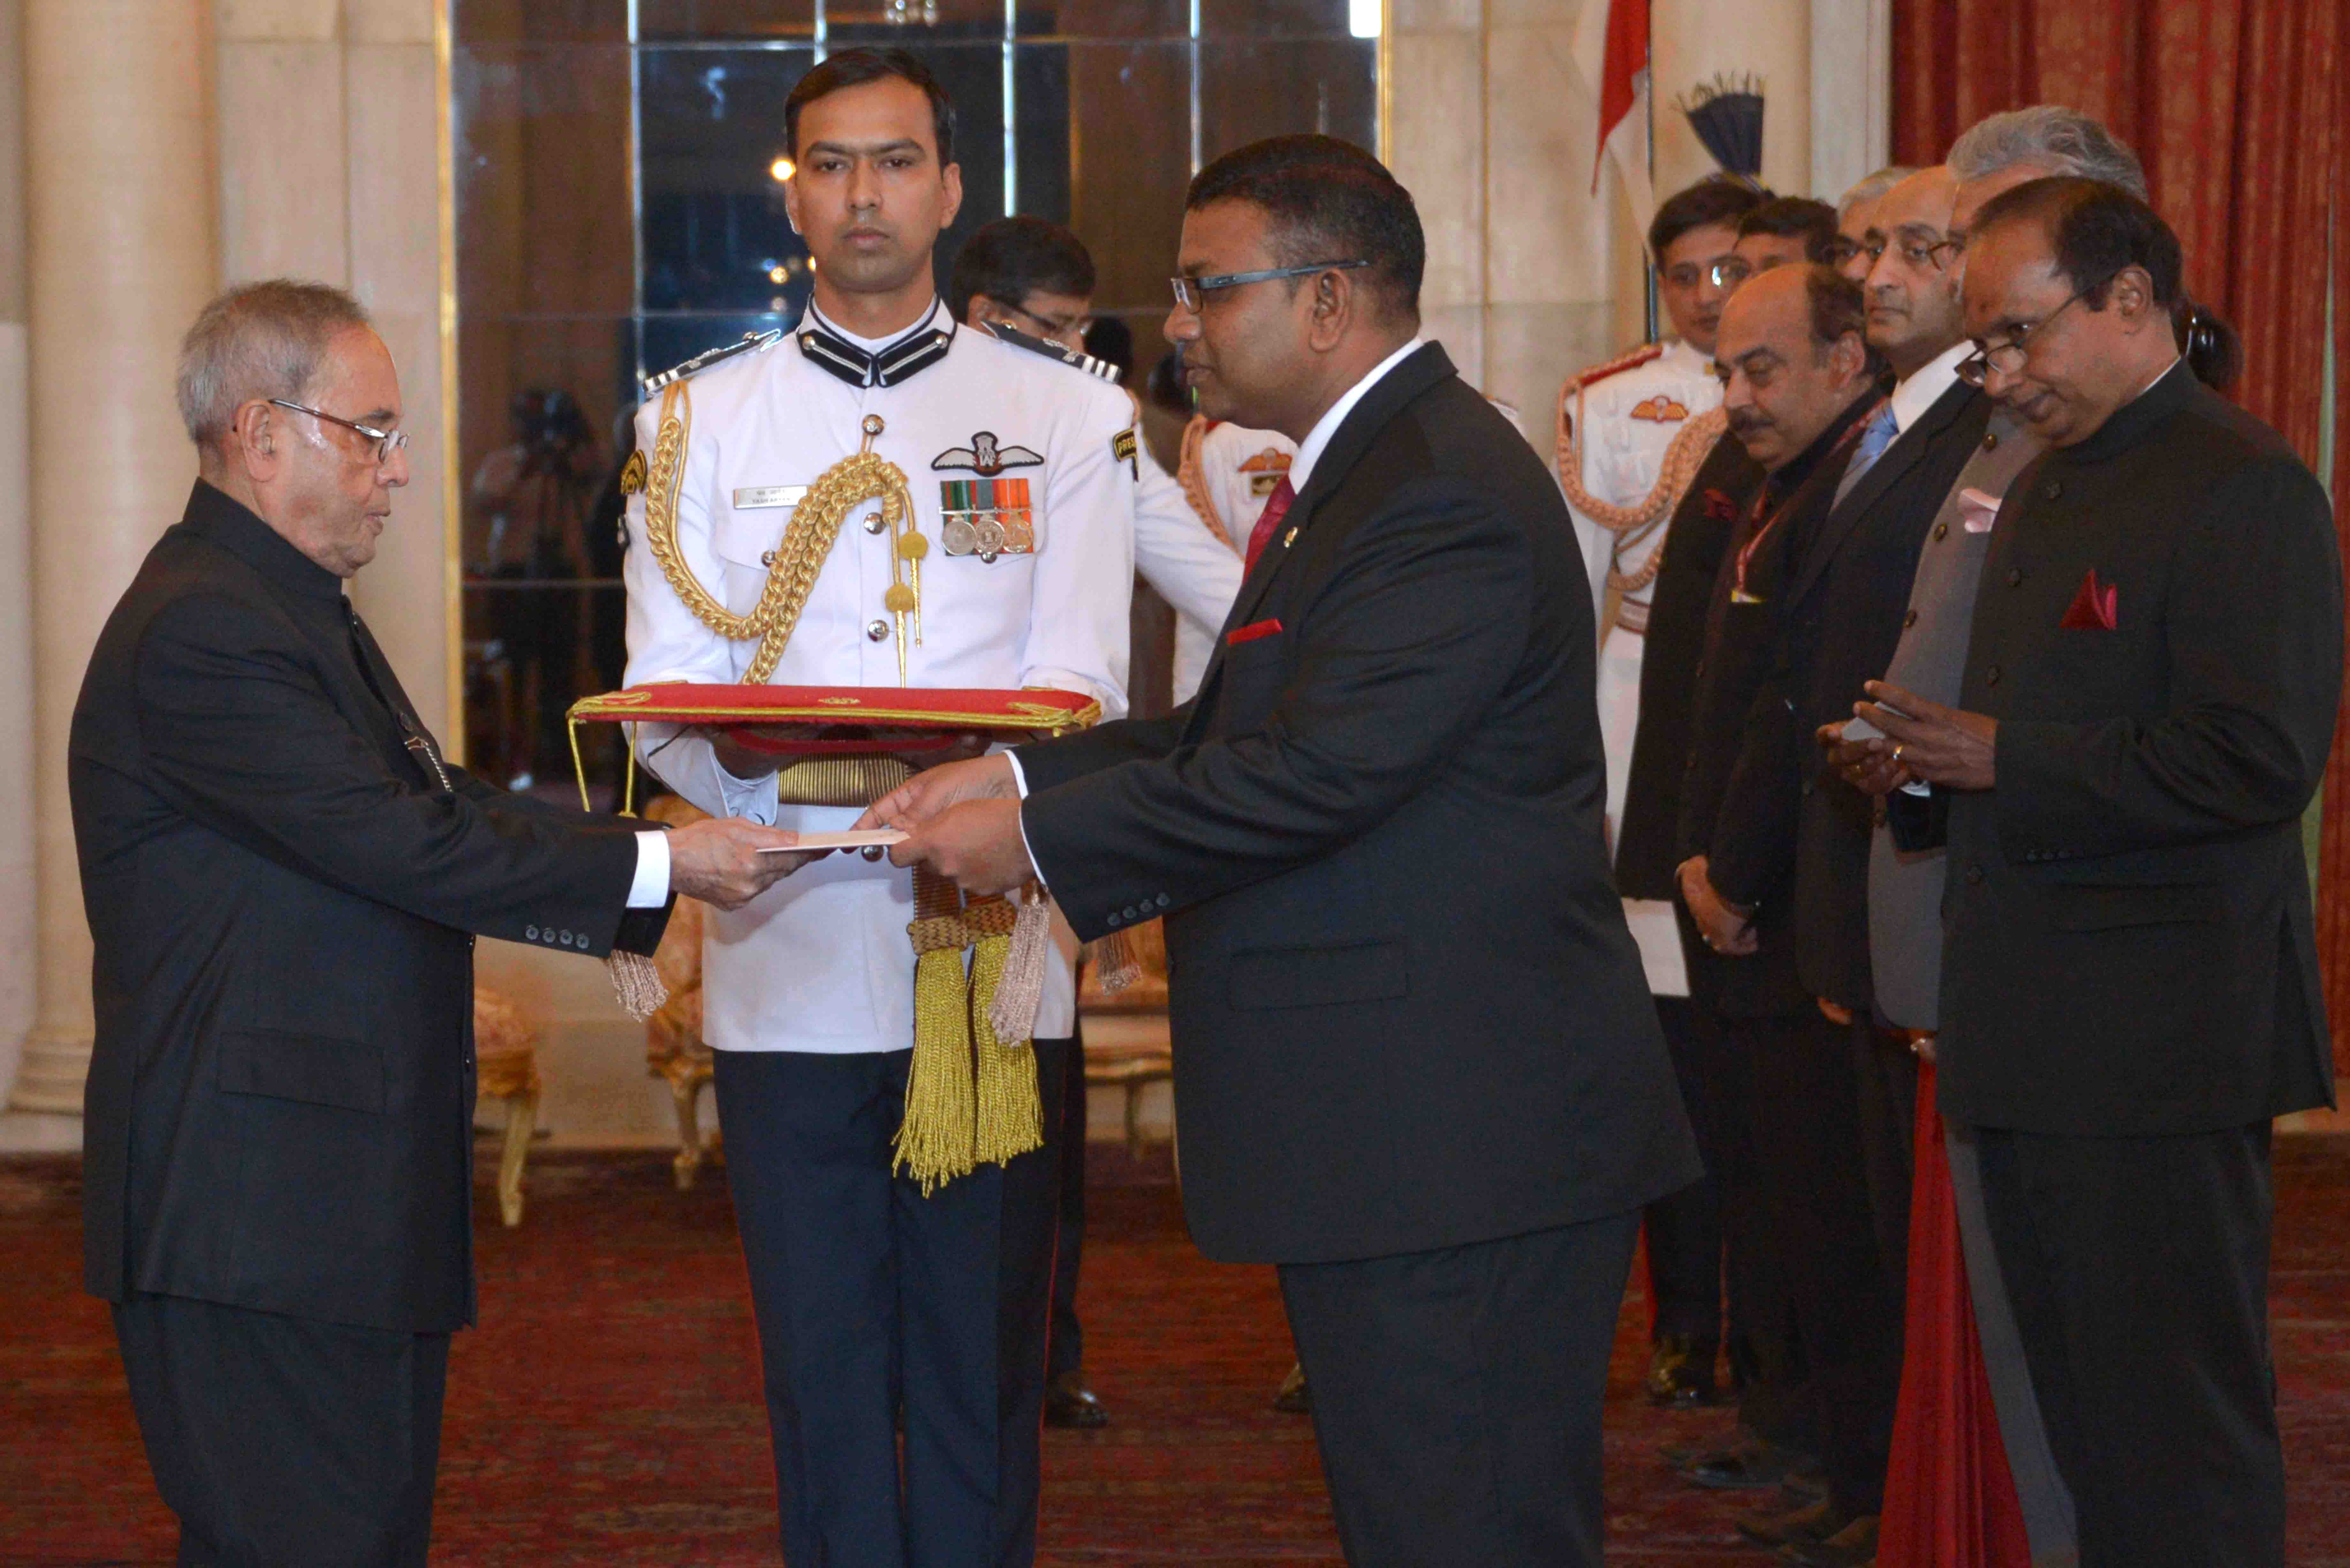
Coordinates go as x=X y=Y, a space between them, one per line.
x=1631 y=434
x=882 y=501
x=1022 y=483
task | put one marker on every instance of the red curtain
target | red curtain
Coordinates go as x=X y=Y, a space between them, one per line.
x=2240 y=109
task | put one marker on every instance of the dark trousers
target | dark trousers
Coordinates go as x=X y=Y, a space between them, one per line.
x=876 y=1303
x=282 y=1441
x=2139 y=1271
x=1066 y=1352
x=1765 y=1341
x=1685 y=1228
x=1885 y=1075
x=1845 y=1294
x=1457 y=1396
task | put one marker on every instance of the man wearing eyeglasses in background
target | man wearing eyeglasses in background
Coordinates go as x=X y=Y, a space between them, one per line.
x=283 y=879
x=1800 y=841
x=1416 y=1066
x=2147 y=702
x=1907 y=880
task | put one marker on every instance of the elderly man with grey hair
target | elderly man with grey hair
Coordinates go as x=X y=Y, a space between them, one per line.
x=285 y=879
x=1854 y=210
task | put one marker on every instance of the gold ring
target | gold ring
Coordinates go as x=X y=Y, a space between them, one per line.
x=1896 y=753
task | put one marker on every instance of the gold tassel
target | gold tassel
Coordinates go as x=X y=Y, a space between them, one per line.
x=637 y=983
x=935 y=1141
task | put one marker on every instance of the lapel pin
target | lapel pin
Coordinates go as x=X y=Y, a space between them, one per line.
x=1289 y=538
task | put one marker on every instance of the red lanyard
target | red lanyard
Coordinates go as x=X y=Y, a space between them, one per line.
x=1845 y=444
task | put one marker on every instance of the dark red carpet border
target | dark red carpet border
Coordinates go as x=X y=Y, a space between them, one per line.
x=607 y=1412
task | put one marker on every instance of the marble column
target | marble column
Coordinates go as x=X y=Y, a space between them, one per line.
x=119 y=209
x=17 y=925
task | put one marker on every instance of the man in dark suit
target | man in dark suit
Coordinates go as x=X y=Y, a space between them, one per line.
x=1417 y=1065
x=2130 y=989
x=1800 y=836
x=1802 y=389
x=283 y=878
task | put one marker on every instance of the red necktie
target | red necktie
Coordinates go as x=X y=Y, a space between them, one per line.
x=1276 y=507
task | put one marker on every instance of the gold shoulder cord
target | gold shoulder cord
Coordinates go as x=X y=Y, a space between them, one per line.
x=1190 y=475
x=807 y=538
x=1631 y=525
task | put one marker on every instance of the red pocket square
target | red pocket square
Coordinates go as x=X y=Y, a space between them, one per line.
x=2096 y=607
x=1250 y=632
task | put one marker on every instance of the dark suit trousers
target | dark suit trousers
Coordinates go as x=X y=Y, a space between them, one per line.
x=873 y=1300
x=1685 y=1228
x=1847 y=1297
x=2138 y=1269
x=282 y=1442
x=1885 y=1074
x=1457 y=1396
x=1066 y=1352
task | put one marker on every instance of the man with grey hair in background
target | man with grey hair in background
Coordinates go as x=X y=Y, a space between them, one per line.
x=285 y=879
x=1854 y=213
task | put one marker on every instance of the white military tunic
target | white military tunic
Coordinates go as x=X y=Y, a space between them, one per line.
x=1626 y=419
x=1193 y=569
x=821 y=961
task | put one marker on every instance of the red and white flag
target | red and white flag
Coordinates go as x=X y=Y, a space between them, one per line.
x=1611 y=51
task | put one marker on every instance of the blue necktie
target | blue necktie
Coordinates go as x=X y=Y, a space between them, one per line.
x=1873 y=442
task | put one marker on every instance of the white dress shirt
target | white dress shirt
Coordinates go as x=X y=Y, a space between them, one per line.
x=820 y=961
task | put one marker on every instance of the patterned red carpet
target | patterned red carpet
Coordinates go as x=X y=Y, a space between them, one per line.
x=605 y=1411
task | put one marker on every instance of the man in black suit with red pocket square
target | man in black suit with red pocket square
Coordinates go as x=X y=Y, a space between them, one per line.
x=2130 y=990
x=1416 y=1062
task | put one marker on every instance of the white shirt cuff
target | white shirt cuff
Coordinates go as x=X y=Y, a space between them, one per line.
x=650 y=888
x=1020 y=782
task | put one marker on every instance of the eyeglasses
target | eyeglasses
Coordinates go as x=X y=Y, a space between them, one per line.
x=1729 y=273
x=1073 y=326
x=1191 y=292
x=386 y=441
x=2007 y=357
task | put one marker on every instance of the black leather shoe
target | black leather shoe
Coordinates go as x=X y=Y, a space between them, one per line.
x=1069 y=1403
x=1806 y=1482
x=1853 y=1546
x=1812 y=1523
x=1681 y=1373
x=1294 y=1399
x=1748 y=1466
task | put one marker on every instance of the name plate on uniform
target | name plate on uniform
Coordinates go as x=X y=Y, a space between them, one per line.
x=757 y=497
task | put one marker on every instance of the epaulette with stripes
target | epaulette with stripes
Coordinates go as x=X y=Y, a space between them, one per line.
x=1074 y=358
x=1631 y=361
x=752 y=342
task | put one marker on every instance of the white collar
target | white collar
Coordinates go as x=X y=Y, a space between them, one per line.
x=874 y=345
x=1301 y=467
x=1922 y=388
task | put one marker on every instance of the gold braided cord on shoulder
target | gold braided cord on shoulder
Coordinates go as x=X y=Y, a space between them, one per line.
x=1682 y=459
x=1187 y=474
x=807 y=538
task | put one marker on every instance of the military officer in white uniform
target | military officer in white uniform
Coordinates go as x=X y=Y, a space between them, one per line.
x=1227 y=473
x=1037 y=278
x=876 y=1302
x=1631 y=435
